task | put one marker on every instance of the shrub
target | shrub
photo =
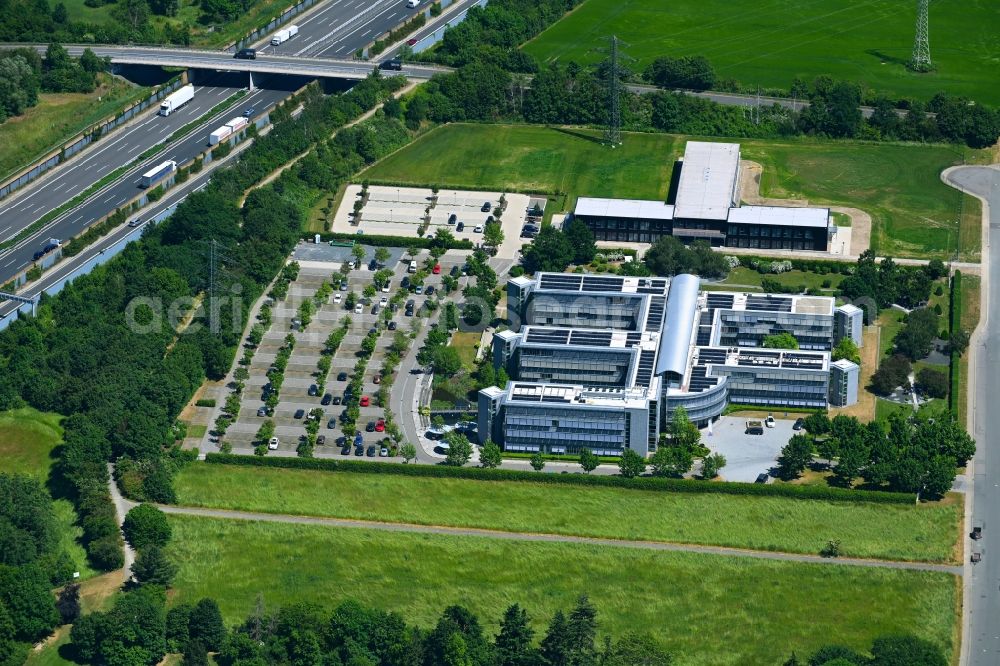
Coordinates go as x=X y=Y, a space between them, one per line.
x=145 y=525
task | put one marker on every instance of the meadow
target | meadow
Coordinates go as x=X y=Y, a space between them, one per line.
x=27 y=439
x=925 y=532
x=755 y=611
x=913 y=213
x=59 y=117
x=769 y=43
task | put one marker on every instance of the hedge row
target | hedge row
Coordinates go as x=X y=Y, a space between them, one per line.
x=388 y=241
x=641 y=483
x=955 y=368
x=810 y=265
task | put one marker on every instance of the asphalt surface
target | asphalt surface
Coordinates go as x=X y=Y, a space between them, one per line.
x=116 y=151
x=982 y=601
x=551 y=538
x=122 y=507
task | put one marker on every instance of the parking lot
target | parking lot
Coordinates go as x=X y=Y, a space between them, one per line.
x=400 y=211
x=318 y=264
x=747 y=455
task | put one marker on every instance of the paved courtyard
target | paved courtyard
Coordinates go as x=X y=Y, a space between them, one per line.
x=747 y=455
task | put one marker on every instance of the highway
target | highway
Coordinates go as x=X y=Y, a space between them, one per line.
x=81 y=173
x=981 y=644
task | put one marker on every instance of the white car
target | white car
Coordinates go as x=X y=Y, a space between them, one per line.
x=478 y=229
x=385 y=288
x=359 y=308
x=412 y=3
x=338 y=297
x=272 y=444
x=384 y=302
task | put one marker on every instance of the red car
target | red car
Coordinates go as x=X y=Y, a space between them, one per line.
x=411 y=42
x=380 y=425
x=437 y=269
x=364 y=401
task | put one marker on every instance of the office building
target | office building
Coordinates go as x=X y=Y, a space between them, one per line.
x=707 y=207
x=602 y=362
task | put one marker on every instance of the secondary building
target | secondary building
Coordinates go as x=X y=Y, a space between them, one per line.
x=707 y=207
x=601 y=362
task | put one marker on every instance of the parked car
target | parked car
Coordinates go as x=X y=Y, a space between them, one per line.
x=262 y=411
x=345 y=450
x=385 y=287
x=429 y=290
x=359 y=309
x=419 y=289
x=769 y=421
x=341 y=376
x=392 y=326
x=798 y=424
x=437 y=269
x=383 y=302
x=460 y=226
x=371 y=450
x=343 y=285
x=380 y=425
x=377 y=379
x=313 y=390
x=359 y=450
x=299 y=413
x=452 y=219
x=405 y=282
x=321 y=440
x=372 y=265
x=487 y=207
x=272 y=443
x=336 y=399
x=763 y=477
x=338 y=297
x=365 y=401
x=331 y=424
x=383 y=452
x=478 y=229
x=370 y=426
x=327 y=399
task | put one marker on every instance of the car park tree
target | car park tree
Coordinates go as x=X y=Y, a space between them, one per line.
x=382 y=255
x=795 y=457
x=672 y=460
x=382 y=276
x=631 y=464
x=537 y=461
x=459 y=449
x=493 y=234
x=490 y=455
x=711 y=464
x=408 y=451
x=359 y=253
x=817 y=424
x=369 y=290
x=589 y=460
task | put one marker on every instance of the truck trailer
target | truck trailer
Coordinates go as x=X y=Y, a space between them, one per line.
x=176 y=100
x=284 y=35
x=157 y=173
x=219 y=135
x=237 y=124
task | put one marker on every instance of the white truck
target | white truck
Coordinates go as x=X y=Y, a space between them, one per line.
x=232 y=127
x=176 y=100
x=237 y=124
x=284 y=35
x=157 y=173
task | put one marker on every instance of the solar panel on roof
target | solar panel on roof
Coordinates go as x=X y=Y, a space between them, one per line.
x=547 y=336
x=591 y=338
x=601 y=283
x=561 y=281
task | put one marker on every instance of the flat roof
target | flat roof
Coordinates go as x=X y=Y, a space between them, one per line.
x=781 y=216
x=640 y=209
x=542 y=394
x=708 y=180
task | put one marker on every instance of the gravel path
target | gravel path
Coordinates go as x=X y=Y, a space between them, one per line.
x=555 y=538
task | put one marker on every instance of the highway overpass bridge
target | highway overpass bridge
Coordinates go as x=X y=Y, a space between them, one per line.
x=264 y=64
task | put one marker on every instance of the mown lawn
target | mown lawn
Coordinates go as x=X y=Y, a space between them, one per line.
x=530 y=158
x=747 y=279
x=27 y=439
x=59 y=117
x=913 y=212
x=770 y=42
x=755 y=611
x=926 y=532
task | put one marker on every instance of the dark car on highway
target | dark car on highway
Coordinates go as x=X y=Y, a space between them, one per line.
x=246 y=54
x=394 y=64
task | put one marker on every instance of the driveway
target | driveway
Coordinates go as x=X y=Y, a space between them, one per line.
x=746 y=455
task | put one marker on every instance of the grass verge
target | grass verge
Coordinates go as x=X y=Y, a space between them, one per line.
x=757 y=611
x=925 y=532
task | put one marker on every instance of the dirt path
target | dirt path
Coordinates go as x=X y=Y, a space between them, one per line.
x=861 y=222
x=556 y=538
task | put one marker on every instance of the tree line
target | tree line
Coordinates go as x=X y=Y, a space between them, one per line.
x=115 y=367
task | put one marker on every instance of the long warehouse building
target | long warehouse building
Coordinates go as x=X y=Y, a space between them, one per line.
x=707 y=207
x=601 y=362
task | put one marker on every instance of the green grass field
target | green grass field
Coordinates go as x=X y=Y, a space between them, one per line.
x=59 y=117
x=27 y=438
x=756 y=611
x=913 y=212
x=770 y=42
x=926 y=532
x=742 y=278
